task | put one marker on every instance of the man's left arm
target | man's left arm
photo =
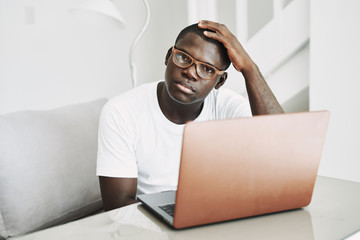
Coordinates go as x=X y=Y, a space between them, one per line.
x=262 y=99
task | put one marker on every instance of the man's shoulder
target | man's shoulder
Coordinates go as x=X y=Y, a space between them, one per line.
x=133 y=97
x=226 y=94
x=226 y=103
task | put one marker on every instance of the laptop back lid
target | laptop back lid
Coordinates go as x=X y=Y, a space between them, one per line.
x=245 y=167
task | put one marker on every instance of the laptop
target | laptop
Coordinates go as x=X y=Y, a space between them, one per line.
x=245 y=167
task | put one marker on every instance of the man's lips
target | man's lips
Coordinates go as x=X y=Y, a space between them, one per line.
x=185 y=87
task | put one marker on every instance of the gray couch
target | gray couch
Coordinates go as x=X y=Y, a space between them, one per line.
x=47 y=167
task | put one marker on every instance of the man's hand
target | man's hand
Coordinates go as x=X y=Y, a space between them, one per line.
x=261 y=98
x=237 y=54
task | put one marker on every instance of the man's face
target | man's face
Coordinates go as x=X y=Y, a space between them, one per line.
x=184 y=85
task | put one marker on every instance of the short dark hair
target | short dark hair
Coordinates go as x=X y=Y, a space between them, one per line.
x=200 y=32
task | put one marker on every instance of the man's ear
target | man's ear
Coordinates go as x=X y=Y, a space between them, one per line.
x=221 y=81
x=168 y=56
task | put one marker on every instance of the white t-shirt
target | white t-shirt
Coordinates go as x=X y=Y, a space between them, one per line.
x=136 y=140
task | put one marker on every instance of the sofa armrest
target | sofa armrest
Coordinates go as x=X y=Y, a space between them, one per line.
x=47 y=167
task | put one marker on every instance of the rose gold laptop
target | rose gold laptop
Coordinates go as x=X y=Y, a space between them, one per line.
x=245 y=167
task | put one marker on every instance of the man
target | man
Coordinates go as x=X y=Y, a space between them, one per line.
x=140 y=131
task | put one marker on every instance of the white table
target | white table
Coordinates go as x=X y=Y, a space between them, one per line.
x=334 y=213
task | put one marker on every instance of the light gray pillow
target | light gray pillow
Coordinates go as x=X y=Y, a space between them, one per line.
x=47 y=167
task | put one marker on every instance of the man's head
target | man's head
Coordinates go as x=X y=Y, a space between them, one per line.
x=200 y=32
x=186 y=84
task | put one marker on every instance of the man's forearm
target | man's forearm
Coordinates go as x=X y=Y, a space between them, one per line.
x=262 y=99
x=117 y=192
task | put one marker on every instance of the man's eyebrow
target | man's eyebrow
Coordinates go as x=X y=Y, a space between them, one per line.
x=183 y=50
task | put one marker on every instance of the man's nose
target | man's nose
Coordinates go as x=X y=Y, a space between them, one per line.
x=191 y=71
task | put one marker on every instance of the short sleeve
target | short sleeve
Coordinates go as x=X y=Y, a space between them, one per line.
x=231 y=105
x=116 y=156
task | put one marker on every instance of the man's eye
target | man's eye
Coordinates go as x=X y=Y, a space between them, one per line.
x=209 y=69
x=184 y=58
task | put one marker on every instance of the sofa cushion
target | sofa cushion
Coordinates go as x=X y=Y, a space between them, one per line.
x=47 y=167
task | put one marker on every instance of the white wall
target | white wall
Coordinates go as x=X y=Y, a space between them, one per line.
x=290 y=81
x=54 y=59
x=168 y=18
x=49 y=59
x=279 y=47
x=335 y=82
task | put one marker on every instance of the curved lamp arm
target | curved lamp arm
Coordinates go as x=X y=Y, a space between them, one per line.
x=133 y=45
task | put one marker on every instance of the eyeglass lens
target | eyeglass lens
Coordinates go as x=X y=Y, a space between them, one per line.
x=183 y=60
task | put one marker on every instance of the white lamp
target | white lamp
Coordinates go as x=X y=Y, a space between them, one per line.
x=133 y=45
x=104 y=8
x=107 y=8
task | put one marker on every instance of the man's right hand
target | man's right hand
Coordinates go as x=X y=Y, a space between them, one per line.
x=117 y=192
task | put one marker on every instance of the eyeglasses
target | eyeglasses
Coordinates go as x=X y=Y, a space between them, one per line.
x=204 y=70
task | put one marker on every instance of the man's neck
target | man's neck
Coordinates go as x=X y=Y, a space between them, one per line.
x=174 y=111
